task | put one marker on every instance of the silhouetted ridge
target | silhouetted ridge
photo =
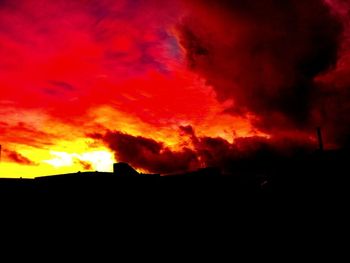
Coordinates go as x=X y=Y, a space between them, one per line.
x=322 y=171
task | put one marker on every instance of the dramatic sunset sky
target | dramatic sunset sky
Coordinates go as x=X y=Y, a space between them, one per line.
x=168 y=85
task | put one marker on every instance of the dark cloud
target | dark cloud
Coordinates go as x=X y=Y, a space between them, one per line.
x=218 y=152
x=332 y=110
x=16 y=157
x=200 y=152
x=148 y=154
x=263 y=54
x=331 y=105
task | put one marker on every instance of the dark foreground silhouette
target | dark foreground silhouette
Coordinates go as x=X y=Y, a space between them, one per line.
x=322 y=172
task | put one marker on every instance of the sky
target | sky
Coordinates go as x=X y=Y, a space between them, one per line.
x=168 y=86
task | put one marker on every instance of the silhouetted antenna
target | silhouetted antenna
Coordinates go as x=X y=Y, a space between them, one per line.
x=320 y=139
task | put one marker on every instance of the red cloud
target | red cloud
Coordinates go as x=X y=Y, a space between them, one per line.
x=13 y=156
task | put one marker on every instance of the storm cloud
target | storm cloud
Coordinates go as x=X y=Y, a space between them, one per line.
x=264 y=55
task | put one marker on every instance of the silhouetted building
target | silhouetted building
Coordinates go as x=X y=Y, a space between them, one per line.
x=124 y=169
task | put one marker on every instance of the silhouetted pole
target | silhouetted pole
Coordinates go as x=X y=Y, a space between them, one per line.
x=320 y=139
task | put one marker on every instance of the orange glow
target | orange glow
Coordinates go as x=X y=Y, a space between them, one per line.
x=67 y=151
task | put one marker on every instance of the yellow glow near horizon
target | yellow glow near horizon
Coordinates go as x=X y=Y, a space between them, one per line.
x=64 y=157
x=60 y=163
x=99 y=160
